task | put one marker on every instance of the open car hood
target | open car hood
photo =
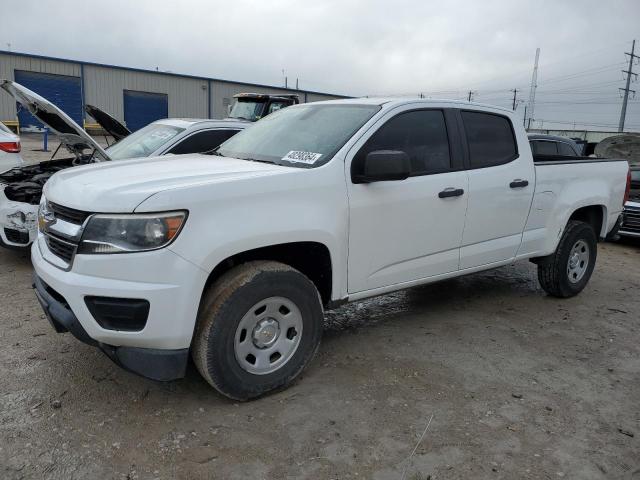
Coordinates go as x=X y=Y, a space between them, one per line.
x=70 y=134
x=112 y=126
x=622 y=145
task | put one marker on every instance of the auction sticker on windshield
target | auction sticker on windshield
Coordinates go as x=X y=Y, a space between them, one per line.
x=302 y=157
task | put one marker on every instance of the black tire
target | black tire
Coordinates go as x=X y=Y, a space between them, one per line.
x=223 y=307
x=553 y=273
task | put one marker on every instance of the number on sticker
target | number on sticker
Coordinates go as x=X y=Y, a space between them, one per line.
x=302 y=157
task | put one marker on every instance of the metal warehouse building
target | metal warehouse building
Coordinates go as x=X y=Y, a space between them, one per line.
x=132 y=95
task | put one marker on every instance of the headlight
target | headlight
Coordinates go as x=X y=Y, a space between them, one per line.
x=113 y=233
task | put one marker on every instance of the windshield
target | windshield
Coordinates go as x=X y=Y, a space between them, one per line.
x=143 y=142
x=302 y=136
x=247 y=109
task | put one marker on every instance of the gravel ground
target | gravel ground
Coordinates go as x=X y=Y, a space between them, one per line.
x=479 y=377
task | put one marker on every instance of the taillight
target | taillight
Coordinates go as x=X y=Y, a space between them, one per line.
x=10 y=147
x=628 y=189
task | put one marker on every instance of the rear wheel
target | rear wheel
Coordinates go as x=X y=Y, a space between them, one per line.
x=259 y=325
x=567 y=271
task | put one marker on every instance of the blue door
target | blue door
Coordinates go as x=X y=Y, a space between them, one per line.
x=63 y=91
x=142 y=108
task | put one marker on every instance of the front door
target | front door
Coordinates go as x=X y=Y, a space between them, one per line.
x=406 y=230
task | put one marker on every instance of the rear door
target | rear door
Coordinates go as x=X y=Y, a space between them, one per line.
x=501 y=185
x=401 y=231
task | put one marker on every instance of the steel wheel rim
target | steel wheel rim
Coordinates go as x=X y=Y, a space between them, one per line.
x=268 y=335
x=578 y=261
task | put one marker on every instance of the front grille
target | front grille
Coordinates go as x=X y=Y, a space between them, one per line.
x=16 y=236
x=61 y=248
x=631 y=219
x=67 y=214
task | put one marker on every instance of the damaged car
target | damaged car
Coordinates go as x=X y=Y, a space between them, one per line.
x=21 y=187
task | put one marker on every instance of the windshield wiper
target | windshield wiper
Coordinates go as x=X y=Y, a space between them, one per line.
x=214 y=152
x=256 y=160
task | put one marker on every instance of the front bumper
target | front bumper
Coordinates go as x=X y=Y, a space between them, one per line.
x=18 y=223
x=151 y=363
x=170 y=284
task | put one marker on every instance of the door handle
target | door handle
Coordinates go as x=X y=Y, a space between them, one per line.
x=451 y=192
x=519 y=183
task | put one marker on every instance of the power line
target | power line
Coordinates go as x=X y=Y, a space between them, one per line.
x=583 y=73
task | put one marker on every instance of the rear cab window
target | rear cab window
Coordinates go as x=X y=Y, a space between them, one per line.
x=565 y=149
x=490 y=139
x=544 y=147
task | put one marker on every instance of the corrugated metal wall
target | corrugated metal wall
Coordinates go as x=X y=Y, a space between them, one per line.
x=104 y=86
x=10 y=63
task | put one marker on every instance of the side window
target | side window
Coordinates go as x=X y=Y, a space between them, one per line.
x=421 y=134
x=490 y=139
x=202 y=141
x=275 y=106
x=566 y=150
x=544 y=147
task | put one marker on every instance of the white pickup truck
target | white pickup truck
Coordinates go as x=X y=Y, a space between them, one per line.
x=233 y=256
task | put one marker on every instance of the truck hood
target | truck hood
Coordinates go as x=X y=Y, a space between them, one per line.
x=70 y=134
x=119 y=187
x=112 y=126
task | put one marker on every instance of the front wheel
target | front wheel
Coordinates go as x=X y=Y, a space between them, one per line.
x=259 y=325
x=567 y=271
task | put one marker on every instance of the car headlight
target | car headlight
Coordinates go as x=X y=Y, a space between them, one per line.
x=114 y=233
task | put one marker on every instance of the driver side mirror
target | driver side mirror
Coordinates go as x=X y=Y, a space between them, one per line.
x=383 y=165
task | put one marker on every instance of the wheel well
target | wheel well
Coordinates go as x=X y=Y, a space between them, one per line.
x=593 y=215
x=311 y=258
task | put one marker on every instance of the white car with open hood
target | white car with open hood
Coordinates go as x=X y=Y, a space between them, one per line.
x=21 y=187
x=233 y=257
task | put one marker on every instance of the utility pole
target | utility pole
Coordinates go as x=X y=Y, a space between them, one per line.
x=515 y=93
x=470 y=97
x=297 y=84
x=534 y=85
x=626 y=90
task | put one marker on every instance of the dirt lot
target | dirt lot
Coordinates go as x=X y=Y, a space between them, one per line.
x=480 y=377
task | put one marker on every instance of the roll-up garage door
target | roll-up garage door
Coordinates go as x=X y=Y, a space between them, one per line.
x=61 y=90
x=142 y=108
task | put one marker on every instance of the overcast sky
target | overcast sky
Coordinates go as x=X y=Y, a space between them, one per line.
x=437 y=48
